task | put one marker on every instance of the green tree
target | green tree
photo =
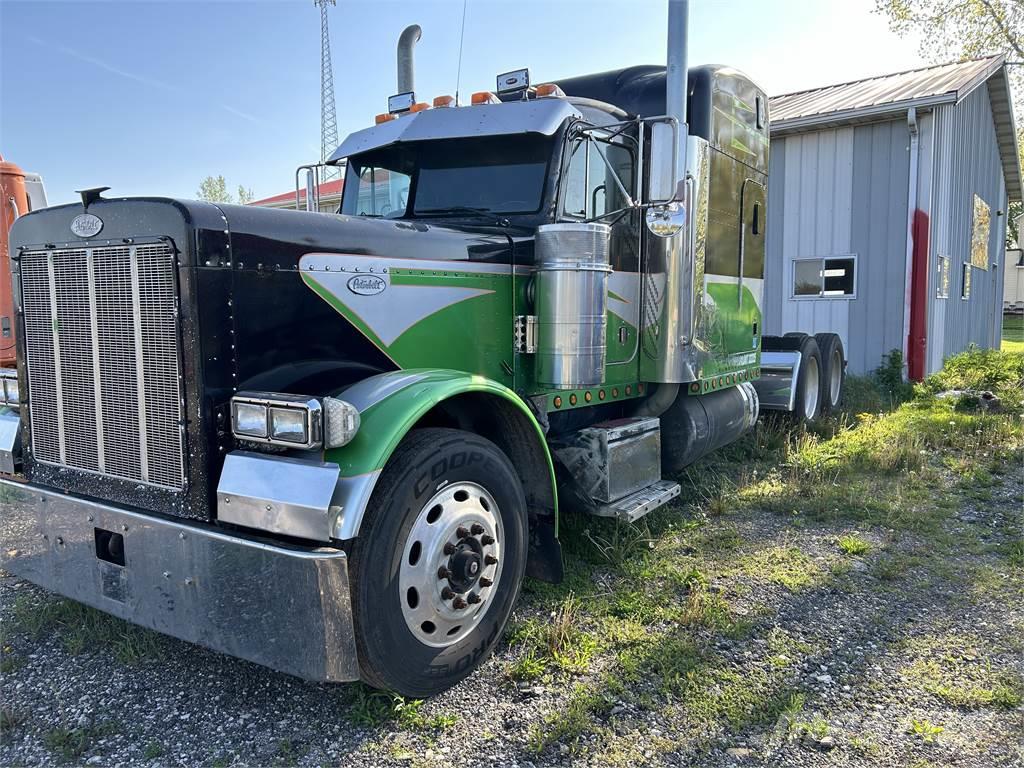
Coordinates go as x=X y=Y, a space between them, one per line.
x=967 y=29
x=214 y=189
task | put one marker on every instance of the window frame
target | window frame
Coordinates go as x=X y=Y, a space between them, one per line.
x=965 y=281
x=617 y=137
x=944 y=276
x=835 y=256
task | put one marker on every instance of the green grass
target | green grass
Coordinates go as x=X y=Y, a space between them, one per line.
x=853 y=545
x=81 y=628
x=643 y=605
x=72 y=743
x=957 y=670
x=1013 y=333
x=925 y=730
x=153 y=750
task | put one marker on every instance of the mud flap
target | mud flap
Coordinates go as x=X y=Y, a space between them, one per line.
x=544 y=558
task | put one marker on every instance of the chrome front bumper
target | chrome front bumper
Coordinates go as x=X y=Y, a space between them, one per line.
x=287 y=608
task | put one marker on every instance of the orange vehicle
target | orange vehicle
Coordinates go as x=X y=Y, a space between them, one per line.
x=15 y=201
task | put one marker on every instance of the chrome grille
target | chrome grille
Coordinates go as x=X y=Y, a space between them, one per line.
x=104 y=377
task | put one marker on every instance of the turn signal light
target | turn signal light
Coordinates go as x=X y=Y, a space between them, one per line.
x=444 y=101
x=485 y=97
x=419 y=106
x=549 y=89
x=383 y=118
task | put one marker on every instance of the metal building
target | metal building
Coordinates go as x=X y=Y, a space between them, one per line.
x=887 y=215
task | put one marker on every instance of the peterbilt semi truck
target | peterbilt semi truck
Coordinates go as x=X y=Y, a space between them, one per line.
x=335 y=444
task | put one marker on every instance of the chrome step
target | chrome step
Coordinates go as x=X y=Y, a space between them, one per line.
x=634 y=506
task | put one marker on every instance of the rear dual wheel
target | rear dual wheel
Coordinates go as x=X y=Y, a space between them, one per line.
x=821 y=378
x=438 y=562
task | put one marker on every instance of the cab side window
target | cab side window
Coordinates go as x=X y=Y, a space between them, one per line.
x=590 y=189
x=382 y=192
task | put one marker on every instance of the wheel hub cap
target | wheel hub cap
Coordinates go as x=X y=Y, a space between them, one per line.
x=451 y=564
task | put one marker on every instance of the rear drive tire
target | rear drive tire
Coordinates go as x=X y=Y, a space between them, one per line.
x=833 y=365
x=438 y=562
x=807 y=402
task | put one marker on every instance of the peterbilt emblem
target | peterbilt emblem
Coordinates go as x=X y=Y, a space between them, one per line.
x=86 y=225
x=367 y=285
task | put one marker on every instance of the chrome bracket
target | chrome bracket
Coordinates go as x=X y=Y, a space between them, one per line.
x=526 y=334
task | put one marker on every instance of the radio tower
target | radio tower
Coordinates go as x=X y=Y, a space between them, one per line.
x=328 y=116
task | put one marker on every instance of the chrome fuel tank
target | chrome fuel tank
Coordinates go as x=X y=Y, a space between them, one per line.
x=571 y=300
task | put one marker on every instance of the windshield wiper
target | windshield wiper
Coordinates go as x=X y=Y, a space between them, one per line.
x=458 y=210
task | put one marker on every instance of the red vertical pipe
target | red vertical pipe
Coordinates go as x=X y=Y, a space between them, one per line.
x=917 y=344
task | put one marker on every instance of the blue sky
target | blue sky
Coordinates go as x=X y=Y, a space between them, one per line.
x=150 y=97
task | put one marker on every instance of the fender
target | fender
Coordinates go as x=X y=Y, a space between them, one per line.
x=391 y=404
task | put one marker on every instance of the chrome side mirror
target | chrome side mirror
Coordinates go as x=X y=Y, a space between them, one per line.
x=665 y=220
x=663 y=176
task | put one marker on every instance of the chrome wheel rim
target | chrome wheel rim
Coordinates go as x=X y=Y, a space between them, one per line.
x=812 y=388
x=835 y=380
x=451 y=564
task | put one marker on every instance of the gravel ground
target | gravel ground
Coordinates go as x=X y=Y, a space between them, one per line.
x=869 y=638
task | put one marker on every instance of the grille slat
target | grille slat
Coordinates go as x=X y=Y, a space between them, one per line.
x=112 y=310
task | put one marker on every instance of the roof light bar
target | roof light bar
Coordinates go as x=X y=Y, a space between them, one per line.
x=444 y=101
x=485 y=97
x=549 y=90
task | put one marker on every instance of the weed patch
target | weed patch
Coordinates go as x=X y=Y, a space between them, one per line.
x=82 y=628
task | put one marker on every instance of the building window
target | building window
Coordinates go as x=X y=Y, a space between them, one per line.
x=832 y=277
x=942 y=284
x=965 y=286
x=980 y=233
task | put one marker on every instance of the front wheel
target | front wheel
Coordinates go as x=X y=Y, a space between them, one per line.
x=438 y=562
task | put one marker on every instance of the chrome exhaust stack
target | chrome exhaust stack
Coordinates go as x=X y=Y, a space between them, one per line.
x=406 y=69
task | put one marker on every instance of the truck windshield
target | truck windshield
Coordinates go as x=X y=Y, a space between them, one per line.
x=453 y=177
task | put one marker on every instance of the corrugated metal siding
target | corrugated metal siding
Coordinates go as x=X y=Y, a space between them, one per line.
x=841 y=191
x=817 y=222
x=881 y=161
x=967 y=162
x=771 y=311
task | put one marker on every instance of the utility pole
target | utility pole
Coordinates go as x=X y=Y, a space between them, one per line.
x=328 y=115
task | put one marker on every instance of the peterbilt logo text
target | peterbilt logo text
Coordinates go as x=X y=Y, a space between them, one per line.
x=86 y=225
x=367 y=285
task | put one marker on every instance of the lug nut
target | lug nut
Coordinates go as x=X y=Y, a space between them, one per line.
x=476 y=529
x=447 y=594
x=443 y=573
x=449 y=548
x=458 y=603
x=490 y=560
x=486 y=540
x=473 y=598
x=485 y=582
x=461 y=532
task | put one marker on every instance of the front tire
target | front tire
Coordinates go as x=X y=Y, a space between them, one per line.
x=438 y=562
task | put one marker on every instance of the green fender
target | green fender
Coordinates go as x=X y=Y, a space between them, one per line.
x=390 y=404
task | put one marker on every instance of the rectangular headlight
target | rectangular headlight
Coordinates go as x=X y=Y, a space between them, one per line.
x=289 y=424
x=277 y=419
x=249 y=419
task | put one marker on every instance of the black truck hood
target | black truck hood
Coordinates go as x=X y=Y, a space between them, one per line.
x=247 y=321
